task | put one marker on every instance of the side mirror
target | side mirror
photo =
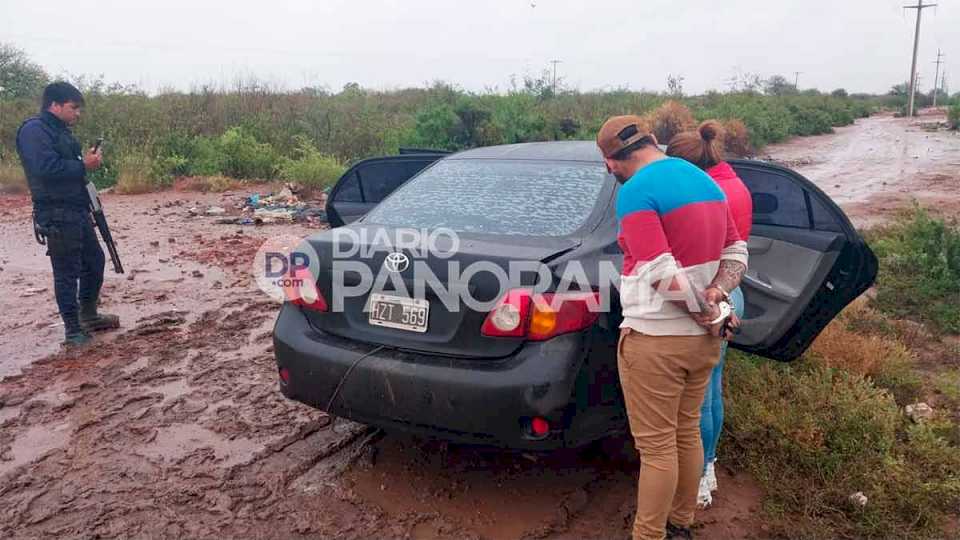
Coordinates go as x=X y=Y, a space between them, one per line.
x=765 y=203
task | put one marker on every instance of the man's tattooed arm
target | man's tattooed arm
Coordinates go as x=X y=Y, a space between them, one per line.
x=729 y=275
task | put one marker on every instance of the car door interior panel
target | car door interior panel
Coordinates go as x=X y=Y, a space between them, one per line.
x=806 y=262
x=782 y=277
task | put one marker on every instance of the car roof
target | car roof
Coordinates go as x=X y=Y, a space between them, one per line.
x=540 y=151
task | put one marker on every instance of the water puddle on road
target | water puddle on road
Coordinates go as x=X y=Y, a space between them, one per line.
x=33 y=444
x=54 y=396
x=171 y=390
x=180 y=440
x=8 y=413
x=136 y=365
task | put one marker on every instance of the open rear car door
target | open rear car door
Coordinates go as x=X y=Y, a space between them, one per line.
x=369 y=182
x=807 y=262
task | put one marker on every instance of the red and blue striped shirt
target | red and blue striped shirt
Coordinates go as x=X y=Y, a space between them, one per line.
x=673 y=218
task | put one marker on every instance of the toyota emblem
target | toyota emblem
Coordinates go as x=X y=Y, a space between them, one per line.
x=396 y=262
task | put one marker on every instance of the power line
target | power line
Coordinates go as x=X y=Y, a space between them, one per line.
x=916 y=43
x=936 y=77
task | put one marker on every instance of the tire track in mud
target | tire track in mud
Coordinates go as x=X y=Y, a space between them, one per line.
x=174 y=426
x=175 y=431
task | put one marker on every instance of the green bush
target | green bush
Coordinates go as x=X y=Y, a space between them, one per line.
x=919 y=274
x=814 y=116
x=248 y=131
x=108 y=173
x=519 y=119
x=236 y=153
x=953 y=115
x=243 y=157
x=436 y=128
x=812 y=436
x=311 y=167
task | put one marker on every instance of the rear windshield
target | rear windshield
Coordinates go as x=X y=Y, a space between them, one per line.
x=524 y=198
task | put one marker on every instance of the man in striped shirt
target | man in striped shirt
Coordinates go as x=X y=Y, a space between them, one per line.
x=682 y=255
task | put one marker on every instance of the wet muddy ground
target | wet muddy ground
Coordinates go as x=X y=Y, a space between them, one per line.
x=881 y=165
x=173 y=425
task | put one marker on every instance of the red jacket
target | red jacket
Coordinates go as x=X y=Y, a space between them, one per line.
x=738 y=196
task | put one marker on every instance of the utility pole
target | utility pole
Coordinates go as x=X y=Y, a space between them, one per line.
x=555 y=62
x=796 y=80
x=916 y=43
x=936 y=77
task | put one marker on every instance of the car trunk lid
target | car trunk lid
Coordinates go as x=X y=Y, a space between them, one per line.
x=457 y=289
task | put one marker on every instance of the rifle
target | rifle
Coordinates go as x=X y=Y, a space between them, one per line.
x=100 y=220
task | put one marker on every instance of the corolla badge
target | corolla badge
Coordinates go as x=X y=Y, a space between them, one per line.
x=396 y=262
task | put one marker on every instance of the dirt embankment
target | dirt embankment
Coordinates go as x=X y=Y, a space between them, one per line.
x=173 y=425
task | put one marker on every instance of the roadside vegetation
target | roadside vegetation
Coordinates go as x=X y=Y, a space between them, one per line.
x=832 y=424
x=953 y=114
x=920 y=270
x=252 y=130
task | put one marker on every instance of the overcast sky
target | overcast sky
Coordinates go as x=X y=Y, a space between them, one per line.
x=861 y=45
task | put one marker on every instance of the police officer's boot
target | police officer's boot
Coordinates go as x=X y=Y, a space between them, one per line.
x=91 y=321
x=75 y=335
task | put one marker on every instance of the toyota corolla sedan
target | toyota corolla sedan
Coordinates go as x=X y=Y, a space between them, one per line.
x=469 y=296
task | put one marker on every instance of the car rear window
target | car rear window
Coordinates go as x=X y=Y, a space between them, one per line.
x=526 y=198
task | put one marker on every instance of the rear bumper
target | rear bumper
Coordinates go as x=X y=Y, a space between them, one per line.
x=486 y=401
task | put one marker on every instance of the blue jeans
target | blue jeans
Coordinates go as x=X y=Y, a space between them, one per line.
x=711 y=412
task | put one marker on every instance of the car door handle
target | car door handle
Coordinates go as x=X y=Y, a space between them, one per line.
x=782 y=293
x=756 y=282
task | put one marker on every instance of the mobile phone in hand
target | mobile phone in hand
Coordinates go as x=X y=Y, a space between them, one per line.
x=98 y=144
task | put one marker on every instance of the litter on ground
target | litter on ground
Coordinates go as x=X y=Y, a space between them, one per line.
x=284 y=206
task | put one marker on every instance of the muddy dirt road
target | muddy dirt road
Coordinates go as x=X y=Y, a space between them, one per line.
x=172 y=426
x=881 y=164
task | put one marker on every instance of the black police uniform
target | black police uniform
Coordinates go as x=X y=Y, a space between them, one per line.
x=53 y=164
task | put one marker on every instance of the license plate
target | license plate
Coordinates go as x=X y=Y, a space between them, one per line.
x=399 y=312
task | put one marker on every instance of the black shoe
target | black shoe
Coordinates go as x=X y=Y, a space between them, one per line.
x=99 y=321
x=92 y=321
x=674 y=531
x=76 y=339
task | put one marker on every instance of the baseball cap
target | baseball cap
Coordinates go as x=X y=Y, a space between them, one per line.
x=619 y=132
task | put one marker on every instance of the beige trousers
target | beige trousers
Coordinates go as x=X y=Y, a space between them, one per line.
x=664 y=379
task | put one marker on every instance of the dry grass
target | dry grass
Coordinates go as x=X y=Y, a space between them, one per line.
x=206 y=184
x=861 y=341
x=135 y=176
x=839 y=346
x=12 y=179
x=816 y=430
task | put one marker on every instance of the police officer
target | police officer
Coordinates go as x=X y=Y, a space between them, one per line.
x=56 y=173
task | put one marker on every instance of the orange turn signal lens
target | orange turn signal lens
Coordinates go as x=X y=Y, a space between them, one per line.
x=543 y=322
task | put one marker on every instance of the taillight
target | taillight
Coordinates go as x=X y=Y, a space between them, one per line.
x=301 y=290
x=509 y=318
x=520 y=313
x=562 y=313
x=539 y=427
